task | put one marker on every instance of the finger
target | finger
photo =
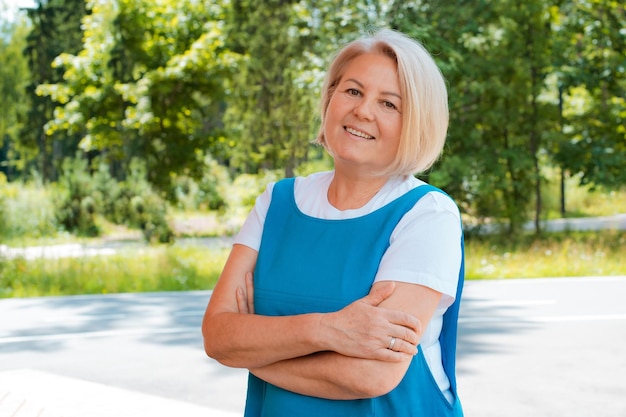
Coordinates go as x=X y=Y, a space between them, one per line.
x=402 y=346
x=379 y=293
x=409 y=324
x=388 y=355
x=242 y=302
x=250 y=292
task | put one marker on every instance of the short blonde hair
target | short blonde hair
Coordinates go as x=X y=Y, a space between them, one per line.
x=424 y=98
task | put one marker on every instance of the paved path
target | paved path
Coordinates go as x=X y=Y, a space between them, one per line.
x=29 y=393
x=543 y=347
x=536 y=347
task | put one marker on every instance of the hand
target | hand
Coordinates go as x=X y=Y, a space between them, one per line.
x=245 y=296
x=365 y=330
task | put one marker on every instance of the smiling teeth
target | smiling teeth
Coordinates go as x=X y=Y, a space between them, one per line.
x=358 y=133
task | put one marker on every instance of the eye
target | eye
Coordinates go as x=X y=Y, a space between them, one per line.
x=353 y=92
x=389 y=105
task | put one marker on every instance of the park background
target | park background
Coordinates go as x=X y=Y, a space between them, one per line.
x=161 y=121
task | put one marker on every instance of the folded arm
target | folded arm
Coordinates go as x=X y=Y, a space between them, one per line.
x=335 y=376
x=363 y=329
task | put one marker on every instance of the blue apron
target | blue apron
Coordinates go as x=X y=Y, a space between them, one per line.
x=308 y=265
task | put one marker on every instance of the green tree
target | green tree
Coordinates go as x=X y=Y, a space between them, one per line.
x=13 y=81
x=273 y=107
x=591 y=70
x=270 y=111
x=496 y=58
x=148 y=83
x=56 y=28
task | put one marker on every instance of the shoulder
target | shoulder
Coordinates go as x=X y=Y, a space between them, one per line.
x=435 y=200
x=438 y=202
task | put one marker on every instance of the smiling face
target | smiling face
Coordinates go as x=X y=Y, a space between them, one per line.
x=363 y=121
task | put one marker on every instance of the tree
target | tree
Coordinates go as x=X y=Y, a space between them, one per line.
x=273 y=106
x=56 y=28
x=147 y=83
x=592 y=71
x=495 y=56
x=13 y=81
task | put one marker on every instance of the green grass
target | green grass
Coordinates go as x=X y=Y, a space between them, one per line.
x=163 y=268
x=580 y=200
x=28 y=220
x=176 y=268
x=553 y=255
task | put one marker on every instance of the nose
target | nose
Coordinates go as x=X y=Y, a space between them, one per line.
x=364 y=110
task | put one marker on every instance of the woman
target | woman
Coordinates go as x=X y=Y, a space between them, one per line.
x=353 y=304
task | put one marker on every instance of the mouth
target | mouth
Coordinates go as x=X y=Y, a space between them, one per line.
x=358 y=133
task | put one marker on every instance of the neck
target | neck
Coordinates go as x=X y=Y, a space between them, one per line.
x=347 y=193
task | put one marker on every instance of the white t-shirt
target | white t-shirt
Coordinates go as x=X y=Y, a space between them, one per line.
x=424 y=246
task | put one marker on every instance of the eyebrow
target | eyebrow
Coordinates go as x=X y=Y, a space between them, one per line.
x=389 y=93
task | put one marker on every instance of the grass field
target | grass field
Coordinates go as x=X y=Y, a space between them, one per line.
x=179 y=268
x=188 y=267
x=552 y=255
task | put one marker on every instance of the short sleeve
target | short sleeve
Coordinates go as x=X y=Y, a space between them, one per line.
x=425 y=247
x=252 y=229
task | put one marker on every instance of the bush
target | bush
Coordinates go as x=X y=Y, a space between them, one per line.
x=205 y=193
x=76 y=207
x=241 y=195
x=26 y=210
x=106 y=191
x=138 y=205
x=83 y=196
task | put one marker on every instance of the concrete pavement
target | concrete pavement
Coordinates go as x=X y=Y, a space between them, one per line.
x=534 y=347
x=31 y=393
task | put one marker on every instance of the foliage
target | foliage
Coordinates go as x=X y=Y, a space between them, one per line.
x=553 y=255
x=56 y=29
x=274 y=97
x=14 y=77
x=533 y=85
x=138 y=205
x=583 y=200
x=26 y=209
x=178 y=268
x=148 y=83
x=592 y=78
x=76 y=208
x=206 y=193
x=240 y=196
x=82 y=196
x=164 y=268
x=496 y=59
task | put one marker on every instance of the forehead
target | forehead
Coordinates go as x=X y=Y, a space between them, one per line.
x=373 y=69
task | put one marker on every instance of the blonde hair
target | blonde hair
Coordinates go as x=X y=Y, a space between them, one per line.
x=424 y=98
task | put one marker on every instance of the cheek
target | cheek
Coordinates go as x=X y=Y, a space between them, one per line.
x=333 y=119
x=394 y=128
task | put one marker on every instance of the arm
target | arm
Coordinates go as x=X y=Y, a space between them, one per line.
x=335 y=376
x=247 y=340
x=253 y=341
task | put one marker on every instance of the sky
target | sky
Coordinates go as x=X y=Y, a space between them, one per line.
x=9 y=8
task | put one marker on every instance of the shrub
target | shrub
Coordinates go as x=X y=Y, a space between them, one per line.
x=138 y=205
x=75 y=206
x=205 y=193
x=26 y=210
x=106 y=190
x=83 y=196
x=241 y=195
